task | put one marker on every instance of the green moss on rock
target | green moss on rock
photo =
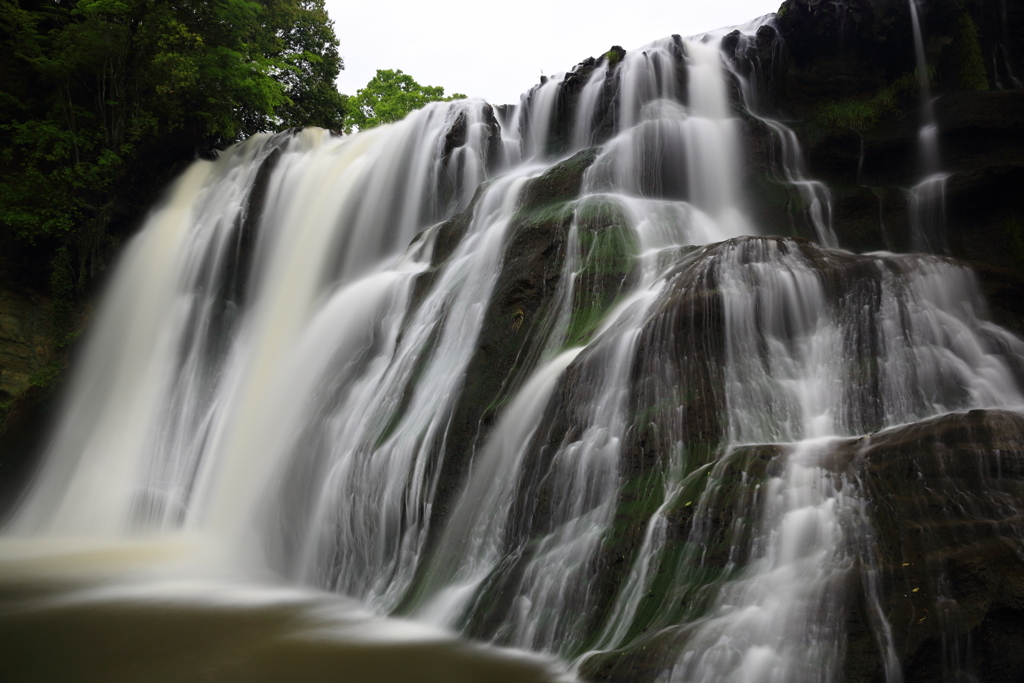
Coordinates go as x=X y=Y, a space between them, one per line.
x=864 y=112
x=607 y=250
x=560 y=183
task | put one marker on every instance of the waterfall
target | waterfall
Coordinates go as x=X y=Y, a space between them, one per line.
x=1001 y=70
x=786 y=385
x=530 y=375
x=927 y=204
x=789 y=166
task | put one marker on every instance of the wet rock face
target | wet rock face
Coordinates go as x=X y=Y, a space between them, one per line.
x=944 y=544
x=457 y=137
x=946 y=500
x=941 y=565
x=839 y=49
x=761 y=61
x=981 y=142
x=25 y=343
x=976 y=130
x=604 y=122
x=842 y=49
x=857 y=56
x=26 y=348
x=530 y=273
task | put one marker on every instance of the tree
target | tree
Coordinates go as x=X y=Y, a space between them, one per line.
x=307 y=51
x=102 y=100
x=390 y=96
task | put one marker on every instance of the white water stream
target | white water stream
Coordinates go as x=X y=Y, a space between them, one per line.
x=927 y=204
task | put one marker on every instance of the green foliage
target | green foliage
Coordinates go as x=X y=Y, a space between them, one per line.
x=49 y=376
x=614 y=55
x=972 y=74
x=390 y=96
x=849 y=113
x=309 y=63
x=101 y=99
x=62 y=305
x=861 y=113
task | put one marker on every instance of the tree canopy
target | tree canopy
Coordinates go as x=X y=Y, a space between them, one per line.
x=101 y=101
x=390 y=96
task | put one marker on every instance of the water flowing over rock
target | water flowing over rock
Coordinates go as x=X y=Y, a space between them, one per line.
x=639 y=375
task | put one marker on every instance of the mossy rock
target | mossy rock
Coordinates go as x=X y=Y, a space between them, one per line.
x=531 y=268
x=560 y=183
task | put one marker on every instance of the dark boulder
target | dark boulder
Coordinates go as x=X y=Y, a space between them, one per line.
x=945 y=502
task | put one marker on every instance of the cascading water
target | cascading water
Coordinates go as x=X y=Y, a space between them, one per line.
x=586 y=108
x=563 y=402
x=1002 y=71
x=786 y=386
x=553 y=597
x=789 y=167
x=927 y=203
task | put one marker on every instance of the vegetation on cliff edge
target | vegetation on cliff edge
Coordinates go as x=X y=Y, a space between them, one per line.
x=390 y=96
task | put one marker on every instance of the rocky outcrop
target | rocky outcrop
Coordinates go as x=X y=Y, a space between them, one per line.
x=845 y=71
x=531 y=269
x=870 y=172
x=946 y=535
x=944 y=547
x=946 y=498
x=842 y=50
x=604 y=122
x=939 y=572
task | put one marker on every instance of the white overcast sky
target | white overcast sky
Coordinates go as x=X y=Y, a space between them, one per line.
x=497 y=50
